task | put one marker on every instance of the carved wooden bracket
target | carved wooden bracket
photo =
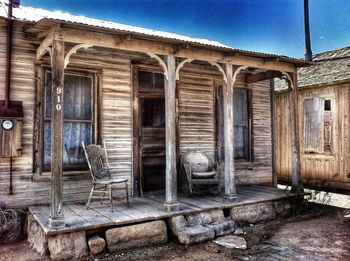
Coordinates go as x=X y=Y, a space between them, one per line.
x=288 y=79
x=178 y=68
x=161 y=62
x=237 y=71
x=73 y=51
x=49 y=50
x=220 y=69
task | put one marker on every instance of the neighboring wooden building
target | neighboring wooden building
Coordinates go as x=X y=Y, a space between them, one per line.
x=324 y=121
x=150 y=95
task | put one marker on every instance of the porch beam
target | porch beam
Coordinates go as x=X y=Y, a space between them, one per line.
x=230 y=186
x=44 y=46
x=57 y=83
x=294 y=108
x=171 y=203
x=262 y=76
x=139 y=45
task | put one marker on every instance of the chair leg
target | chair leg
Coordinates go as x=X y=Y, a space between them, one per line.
x=92 y=191
x=103 y=195
x=110 y=196
x=127 y=192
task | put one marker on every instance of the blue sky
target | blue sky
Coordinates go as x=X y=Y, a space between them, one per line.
x=273 y=26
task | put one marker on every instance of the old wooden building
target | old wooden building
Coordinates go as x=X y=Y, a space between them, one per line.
x=150 y=95
x=324 y=111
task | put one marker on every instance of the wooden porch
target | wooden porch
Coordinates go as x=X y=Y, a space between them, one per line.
x=100 y=217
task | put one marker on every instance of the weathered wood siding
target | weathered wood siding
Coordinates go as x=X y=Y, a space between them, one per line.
x=116 y=119
x=316 y=167
x=196 y=103
x=261 y=171
x=197 y=120
x=196 y=115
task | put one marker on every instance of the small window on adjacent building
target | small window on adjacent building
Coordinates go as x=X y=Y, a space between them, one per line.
x=151 y=80
x=318 y=125
x=327 y=105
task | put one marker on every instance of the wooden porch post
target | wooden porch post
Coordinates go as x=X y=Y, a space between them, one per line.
x=230 y=186
x=171 y=203
x=296 y=170
x=57 y=77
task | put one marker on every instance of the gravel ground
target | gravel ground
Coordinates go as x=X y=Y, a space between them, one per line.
x=314 y=234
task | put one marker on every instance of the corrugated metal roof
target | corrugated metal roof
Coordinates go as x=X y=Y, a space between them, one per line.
x=30 y=14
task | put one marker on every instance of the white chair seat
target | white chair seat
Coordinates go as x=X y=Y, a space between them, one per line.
x=203 y=175
x=110 y=181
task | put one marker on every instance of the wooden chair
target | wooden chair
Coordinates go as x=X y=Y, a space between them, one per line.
x=102 y=182
x=203 y=173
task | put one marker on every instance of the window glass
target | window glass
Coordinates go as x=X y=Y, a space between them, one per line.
x=241 y=124
x=78 y=118
x=151 y=80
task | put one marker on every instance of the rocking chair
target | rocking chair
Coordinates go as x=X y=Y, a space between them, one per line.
x=201 y=171
x=102 y=182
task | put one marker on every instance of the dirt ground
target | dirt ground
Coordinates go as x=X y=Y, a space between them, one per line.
x=317 y=234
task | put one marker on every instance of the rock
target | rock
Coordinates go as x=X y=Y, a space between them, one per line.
x=279 y=206
x=238 y=231
x=199 y=219
x=232 y=242
x=222 y=228
x=195 y=234
x=139 y=235
x=36 y=236
x=217 y=215
x=282 y=208
x=176 y=223
x=96 y=245
x=68 y=246
x=253 y=213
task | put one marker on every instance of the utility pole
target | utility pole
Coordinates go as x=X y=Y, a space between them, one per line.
x=308 y=52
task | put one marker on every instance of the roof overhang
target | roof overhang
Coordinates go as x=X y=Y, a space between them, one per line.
x=46 y=23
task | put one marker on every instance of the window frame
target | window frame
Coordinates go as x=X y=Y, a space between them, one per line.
x=94 y=111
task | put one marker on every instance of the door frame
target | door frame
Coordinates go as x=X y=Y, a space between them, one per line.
x=137 y=130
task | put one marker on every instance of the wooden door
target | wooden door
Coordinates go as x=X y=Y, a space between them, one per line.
x=152 y=144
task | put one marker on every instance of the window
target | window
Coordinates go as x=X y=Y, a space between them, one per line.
x=151 y=81
x=318 y=125
x=78 y=119
x=241 y=125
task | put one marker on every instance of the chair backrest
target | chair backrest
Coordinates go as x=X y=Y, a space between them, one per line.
x=199 y=161
x=96 y=157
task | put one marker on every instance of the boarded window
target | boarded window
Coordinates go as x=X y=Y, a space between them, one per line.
x=78 y=118
x=313 y=125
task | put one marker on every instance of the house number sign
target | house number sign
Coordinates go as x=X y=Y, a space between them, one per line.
x=58 y=102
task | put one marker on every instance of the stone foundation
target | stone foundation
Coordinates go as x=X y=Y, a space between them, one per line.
x=36 y=236
x=134 y=236
x=262 y=211
x=189 y=229
x=68 y=246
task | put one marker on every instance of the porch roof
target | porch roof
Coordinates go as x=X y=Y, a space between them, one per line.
x=42 y=19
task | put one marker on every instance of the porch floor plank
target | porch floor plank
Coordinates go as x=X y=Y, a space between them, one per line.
x=77 y=217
